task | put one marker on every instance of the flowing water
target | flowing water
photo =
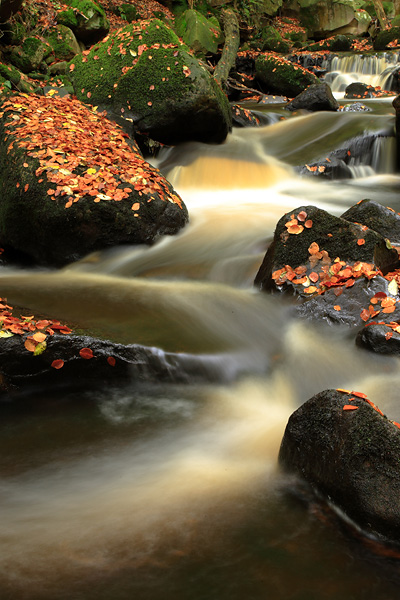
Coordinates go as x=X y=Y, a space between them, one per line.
x=157 y=491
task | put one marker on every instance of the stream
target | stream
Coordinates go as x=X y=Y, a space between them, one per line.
x=159 y=491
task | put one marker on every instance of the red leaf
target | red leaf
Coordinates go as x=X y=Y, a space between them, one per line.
x=350 y=407
x=58 y=363
x=86 y=353
x=111 y=361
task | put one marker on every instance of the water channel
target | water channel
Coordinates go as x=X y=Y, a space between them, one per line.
x=157 y=491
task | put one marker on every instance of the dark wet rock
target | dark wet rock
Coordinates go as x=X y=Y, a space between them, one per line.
x=394 y=80
x=349 y=457
x=334 y=236
x=87 y=20
x=58 y=206
x=111 y=362
x=242 y=117
x=381 y=338
x=348 y=306
x=8 y=8
x=381 y=219
x=385 y=37
x=358 y=90
x=330 y=168
x=316 y=97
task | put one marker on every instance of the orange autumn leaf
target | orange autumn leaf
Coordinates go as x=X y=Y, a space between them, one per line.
x=360 y=242
x=39 y=336
x=30 y=344
x=337 y=307
x=313 y=248
x=308 y=224
x=350 y=407
x=311 y=289
x=359 y=395
x=302 y=216
x=58 y=363
x=343 y=391
x=295 y=229
x=313 y=276
x=389 y=309
x=365 y=314
x=388 y=302
x=86 y=353
x=111 y=361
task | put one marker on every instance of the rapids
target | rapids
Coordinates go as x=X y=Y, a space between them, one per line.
x=154 y=491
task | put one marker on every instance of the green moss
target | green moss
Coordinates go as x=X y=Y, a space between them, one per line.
x=63 y=43
x=86 y=7
x=281 y=76
x=114 y=56
x=128 y=12
x=67 y=18
x=385 y=37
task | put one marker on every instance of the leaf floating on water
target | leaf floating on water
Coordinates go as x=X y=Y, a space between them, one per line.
x=86 y=353
x=58 y=363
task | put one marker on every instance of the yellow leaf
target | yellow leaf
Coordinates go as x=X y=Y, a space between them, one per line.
x=91 y=171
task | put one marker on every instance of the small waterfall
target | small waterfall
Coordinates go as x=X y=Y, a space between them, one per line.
x=373 y=70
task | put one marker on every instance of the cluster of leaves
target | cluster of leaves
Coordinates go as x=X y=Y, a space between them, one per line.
x=38 y=330
x=322 y=273
x=91 y=157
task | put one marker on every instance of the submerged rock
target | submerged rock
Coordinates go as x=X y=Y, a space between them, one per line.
x=380 y=218
x=72 y=182
x=348 y=452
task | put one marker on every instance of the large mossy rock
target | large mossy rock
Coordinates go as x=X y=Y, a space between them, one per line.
x=30 y=54
x=63 y=43
x=323 y=18
x=144 y=73
x=202 y=35
x=280 y=76
x=12 y=77
x=87 y=20
x=386 y=37
x=8 y=8
x=71 y=182
x=350 y=456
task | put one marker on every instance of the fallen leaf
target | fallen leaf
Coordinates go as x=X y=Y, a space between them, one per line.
x=86 y=353
x=58 y=363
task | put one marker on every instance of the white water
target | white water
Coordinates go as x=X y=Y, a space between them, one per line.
x=373 y=70
x=145 y=480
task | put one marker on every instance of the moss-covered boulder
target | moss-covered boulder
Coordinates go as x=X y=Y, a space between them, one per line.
x=348 y=451
x=87 y=20
x=202 y=35
x=144 y=73
x=72 y=182
x=15 y=79
x=30 y=54
x=63 y=43
x=272 y=40
x=280 y=76
x=323 y=18
x=384 y=38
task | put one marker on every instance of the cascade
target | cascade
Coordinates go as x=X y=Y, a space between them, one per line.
x=373 y=70
x=156 y=490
